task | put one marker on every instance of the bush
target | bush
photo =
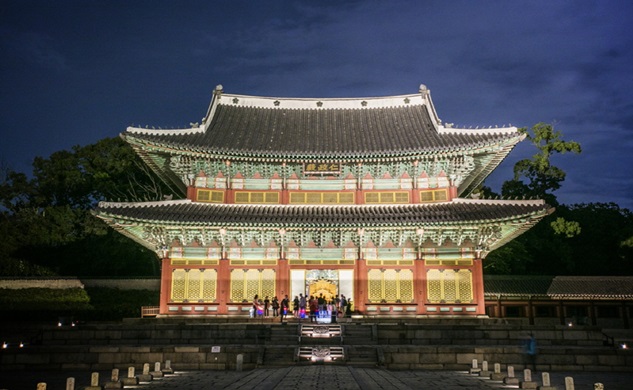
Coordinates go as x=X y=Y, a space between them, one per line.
x=90 y=304
x=116 y=304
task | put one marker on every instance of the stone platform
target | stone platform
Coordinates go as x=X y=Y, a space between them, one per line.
x=395 y=344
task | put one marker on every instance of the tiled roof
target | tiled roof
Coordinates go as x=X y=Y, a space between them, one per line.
x=335 y=133
x=592 y=287
x=516 y=285
x=559 y=287
x=185 y=212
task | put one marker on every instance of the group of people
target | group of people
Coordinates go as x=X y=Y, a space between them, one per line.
x=261 y=308
x=321 y=307
x=315 y=307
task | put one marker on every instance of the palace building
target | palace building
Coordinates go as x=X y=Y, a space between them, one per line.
x=370 y=198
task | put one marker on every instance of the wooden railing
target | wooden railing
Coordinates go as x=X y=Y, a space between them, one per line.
x=149 y=311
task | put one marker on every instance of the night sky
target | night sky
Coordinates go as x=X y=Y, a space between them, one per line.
x=75 y=72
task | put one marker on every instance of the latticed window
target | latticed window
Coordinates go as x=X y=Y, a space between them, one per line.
x=210 y=196
x=256 y=197
x=387 y=197
x=390 y=285
x=321 y=198
x=449 y=285
x=433 y=196
x=245 y=283
x=193 y=285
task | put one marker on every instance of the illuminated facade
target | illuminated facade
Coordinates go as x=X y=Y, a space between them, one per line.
x=365 y=197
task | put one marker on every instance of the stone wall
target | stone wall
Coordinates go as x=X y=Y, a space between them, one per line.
x=54 y=283
x=73 y=282
x=189 y=345
x=124 y=284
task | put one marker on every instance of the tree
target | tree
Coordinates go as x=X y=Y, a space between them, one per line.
x=542 y=177
x=46 y=221
x=543 y=247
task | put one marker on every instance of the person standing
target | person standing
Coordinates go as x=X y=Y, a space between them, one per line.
x=284 y=308
x=266 y=306
x=295 y=307
x=314 y=308
x=343 y=304
x=531 y=351
x=302 y=306
x=321 y=302
x=255 y=305
x=275 y=305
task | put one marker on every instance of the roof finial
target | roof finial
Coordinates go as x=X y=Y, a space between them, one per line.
x=423 y=88
x=218 y=89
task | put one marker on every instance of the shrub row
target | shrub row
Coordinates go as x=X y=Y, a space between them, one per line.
x=97 y=304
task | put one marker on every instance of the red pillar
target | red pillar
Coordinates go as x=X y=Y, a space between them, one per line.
x=419 y=284
x=224 y=285
x=478 y=286
x=360 y=285
x=191 y=193
x=282 y=286
x=165 y=284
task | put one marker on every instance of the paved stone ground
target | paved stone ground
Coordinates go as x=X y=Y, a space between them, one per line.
x=316 y=377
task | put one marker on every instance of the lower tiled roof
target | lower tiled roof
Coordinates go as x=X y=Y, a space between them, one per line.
x=559 y=287
x=207 y=214
x=516 y=285
x=591 y=287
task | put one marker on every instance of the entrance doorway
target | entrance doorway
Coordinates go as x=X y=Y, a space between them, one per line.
x=322 y=282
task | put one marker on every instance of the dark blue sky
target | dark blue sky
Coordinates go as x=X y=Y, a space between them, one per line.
x=74 y=72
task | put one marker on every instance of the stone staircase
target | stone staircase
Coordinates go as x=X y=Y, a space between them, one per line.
x=203 y=343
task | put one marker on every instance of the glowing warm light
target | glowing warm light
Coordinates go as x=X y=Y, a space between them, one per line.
x=21 y=344
x=570 y=324
x=624 y=346
x=4 y=345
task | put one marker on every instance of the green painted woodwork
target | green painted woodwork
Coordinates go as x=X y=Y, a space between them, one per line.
x=331 y=242
x=468 y=166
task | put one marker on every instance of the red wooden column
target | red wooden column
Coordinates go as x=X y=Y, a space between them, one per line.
x=478 y=286
x=165 y=283
x=419 y=284
x=224 y=285
x=282 y=285
x=360 y=285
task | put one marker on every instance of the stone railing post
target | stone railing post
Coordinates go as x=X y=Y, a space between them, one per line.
x=167 y=369
x=94 y=382
x=131 y=379
x=484 y=369
x=547 y=385
x=569 y=383
x=70 y=383
x=145 y=376
x=527 y=380
x=475 y=368
x=239 y=362
x=157 y=373
x=510 y=379
x=114 y=383
x=497 y=375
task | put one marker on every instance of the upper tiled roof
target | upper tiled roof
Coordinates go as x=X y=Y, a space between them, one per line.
x=185 y=212
x=248 y=126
